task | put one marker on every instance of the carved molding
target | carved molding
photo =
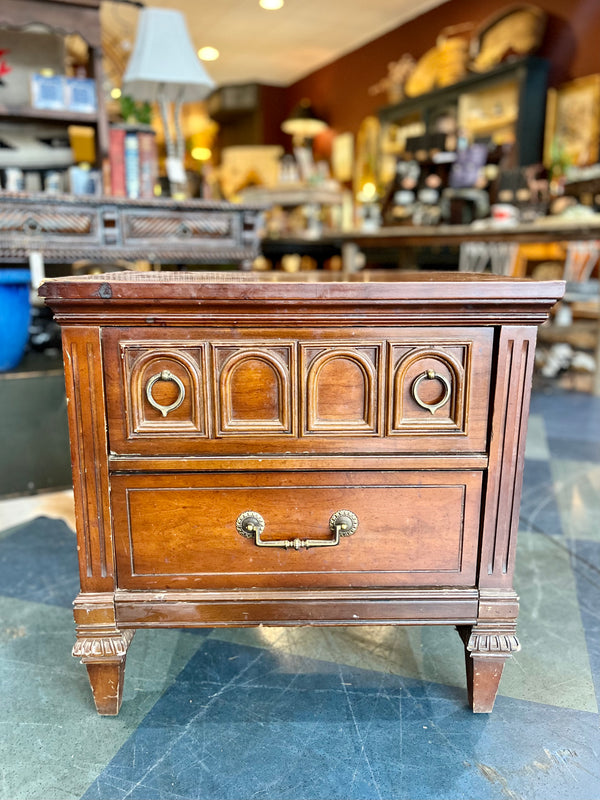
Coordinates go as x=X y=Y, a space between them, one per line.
x=82 y=352
x=91 y=648
x=492 y=643
x=507 y=450
x=367 y=360
x=280 y=361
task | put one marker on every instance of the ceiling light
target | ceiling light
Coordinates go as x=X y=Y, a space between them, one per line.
x=208 y=53
x=115 y=93
x=270 y=5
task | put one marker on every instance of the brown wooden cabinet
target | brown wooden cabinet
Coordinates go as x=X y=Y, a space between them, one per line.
x=250 y=452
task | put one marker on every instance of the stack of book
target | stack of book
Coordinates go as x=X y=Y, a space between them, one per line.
x=133 y=161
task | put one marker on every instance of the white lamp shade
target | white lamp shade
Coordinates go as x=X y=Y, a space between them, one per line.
x=164 y=57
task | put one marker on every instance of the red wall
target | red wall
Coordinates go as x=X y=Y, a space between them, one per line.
x=339 y=91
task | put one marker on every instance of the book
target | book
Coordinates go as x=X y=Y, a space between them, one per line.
x=148 y=163
x=116 y=157
x=132 y=164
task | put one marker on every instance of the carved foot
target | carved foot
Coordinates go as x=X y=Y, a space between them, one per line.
x=104 y=656
x=487 y=647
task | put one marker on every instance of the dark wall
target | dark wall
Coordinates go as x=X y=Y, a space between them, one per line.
x=339 y=91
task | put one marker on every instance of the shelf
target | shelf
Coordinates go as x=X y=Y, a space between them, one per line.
x=580 y=335
x=479 y=127
x=530 y=83
x=292 y=195
x=455 y=235
x=47 y=115
x=472 y=82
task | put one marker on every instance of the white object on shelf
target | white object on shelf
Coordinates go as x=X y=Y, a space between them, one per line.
x=36 y=146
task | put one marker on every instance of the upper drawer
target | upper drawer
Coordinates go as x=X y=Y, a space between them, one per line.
x=194 y=391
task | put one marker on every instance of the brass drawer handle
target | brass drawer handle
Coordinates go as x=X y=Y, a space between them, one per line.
x=251 y=524
x=431 y=375
x=165 y=375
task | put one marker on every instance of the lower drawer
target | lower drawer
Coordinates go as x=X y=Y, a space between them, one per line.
x=189 y=531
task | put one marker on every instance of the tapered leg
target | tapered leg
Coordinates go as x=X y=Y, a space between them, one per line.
x=102 y=647
x=487 y=649
x=106 y=681
x=104 y=657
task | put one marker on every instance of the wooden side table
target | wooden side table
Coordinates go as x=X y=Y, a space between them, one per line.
x=254 y=452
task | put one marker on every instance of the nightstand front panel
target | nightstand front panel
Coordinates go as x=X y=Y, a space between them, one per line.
x=320 y=391
x=179 y=531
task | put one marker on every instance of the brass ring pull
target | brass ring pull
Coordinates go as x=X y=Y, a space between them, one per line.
x=251 y=524
x=165 y=375
x=431 y=375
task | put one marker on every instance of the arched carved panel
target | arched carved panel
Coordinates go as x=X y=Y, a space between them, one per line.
x=341 y=389
x=429 y=389
x=171 y=377
x=254 y=389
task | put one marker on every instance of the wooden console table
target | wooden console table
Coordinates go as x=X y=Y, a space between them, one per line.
x=254 y=452
x=62 y=229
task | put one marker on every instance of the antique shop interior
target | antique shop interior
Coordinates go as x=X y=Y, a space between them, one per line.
x=282 y=143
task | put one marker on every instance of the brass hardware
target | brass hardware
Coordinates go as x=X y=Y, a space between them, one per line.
x=165 y=375
x=251 y=524
x=431 y=375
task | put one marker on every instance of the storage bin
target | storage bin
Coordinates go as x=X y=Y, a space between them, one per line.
x=14 y=316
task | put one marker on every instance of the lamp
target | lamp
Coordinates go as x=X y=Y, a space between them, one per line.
x=303 y=123
x=164 y=67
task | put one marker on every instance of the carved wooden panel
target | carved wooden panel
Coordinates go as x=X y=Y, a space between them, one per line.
x=255 y=388
x=162 y=225
x=507 y=451
x=85 y=390
x=429 y=387
x=341 y=388
x=164 y=388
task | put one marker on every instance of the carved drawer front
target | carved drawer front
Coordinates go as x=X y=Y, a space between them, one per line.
x=164 y=394
x=198 y=391
x=68 y=225
x=163 y=227
x=255 y=388
x=342 y=388
x=318 y=529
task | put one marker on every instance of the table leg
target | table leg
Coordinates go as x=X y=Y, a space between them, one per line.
x=104 y=657
x=486 y=651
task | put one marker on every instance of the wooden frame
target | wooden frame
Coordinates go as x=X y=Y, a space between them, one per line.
x=573 y=121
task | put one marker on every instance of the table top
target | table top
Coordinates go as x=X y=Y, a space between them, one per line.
x=318 y=285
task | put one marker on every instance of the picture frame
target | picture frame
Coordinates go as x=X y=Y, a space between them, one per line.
x=573 y=123
x=48 y=92
x=80 y=95
x=342 y=157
